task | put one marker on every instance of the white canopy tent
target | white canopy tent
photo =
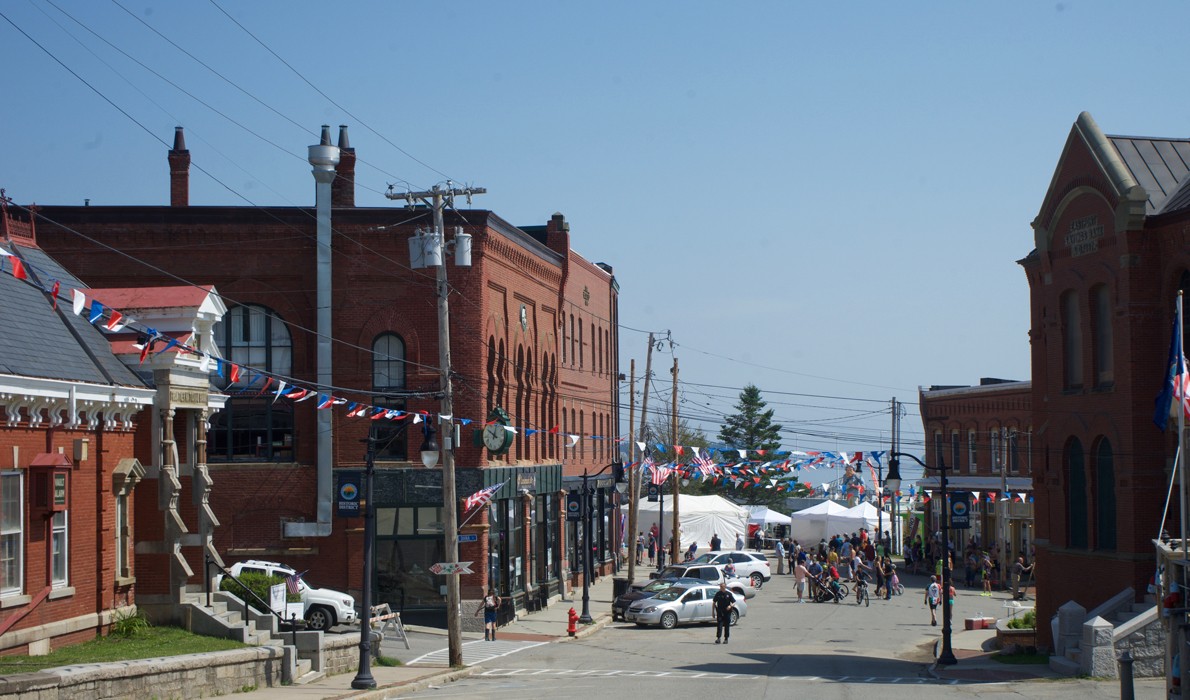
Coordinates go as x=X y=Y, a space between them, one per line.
x=854 y=519
x=810 y=525
x=700 y=517
x=765 y=516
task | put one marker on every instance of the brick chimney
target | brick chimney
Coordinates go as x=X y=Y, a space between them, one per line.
x=343 y=188
x=179 y=171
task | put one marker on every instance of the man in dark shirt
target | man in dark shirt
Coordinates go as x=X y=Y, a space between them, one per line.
x=716 y=543
x=723 y=603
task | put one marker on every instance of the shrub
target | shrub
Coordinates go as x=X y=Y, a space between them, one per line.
x=1027 y=621
x=258 y=584
x=128 y=624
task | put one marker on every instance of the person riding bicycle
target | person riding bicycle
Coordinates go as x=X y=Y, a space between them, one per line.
x=861 y=578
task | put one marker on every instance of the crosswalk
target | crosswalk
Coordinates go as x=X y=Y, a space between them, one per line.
x=475 y=652
x=699 y=675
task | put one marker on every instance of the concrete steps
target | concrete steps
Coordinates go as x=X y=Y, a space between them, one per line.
x=1064 y=666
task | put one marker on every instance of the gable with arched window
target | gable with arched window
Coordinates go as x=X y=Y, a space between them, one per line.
x=250 y=426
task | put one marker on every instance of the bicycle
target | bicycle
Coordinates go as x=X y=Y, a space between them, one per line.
x=861 y=593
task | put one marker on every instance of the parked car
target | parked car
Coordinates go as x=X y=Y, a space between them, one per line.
x=749 y=564
x=706 y=573
x=323 y=608
x=639 y=591
x=681 y=605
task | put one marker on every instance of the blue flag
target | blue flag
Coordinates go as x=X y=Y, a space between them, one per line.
x=1175 y=376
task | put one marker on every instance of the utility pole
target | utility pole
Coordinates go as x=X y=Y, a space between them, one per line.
x=676 y=553
x=1002 y=510
x=438 y=198
x=894 y=540
x=644 y=413
x=633 y=478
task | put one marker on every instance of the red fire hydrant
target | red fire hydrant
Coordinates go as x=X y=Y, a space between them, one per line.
x=572 y=622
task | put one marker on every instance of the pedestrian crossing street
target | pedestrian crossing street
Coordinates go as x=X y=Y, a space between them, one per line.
x=475 y=652
x=699 y=675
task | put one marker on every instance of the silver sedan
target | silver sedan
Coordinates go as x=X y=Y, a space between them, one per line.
x=682 y=605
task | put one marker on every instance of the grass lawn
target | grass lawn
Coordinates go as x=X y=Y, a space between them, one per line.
x=150 y=643
x=1021 y=658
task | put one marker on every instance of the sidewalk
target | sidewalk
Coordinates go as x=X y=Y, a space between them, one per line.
x=548 y=625
x=974 y=649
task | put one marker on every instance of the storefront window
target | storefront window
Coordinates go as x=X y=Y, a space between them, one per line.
x=408 y=542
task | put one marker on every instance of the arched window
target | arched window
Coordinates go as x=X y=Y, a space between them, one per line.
x=1076 y=494
x=581 y=350
x=253 y=427
x=388 y=381
x=1105 y=497
x=1072 y=342
x=1102 y=335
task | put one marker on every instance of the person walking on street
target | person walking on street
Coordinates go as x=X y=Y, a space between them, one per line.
x=739 y=542
x=722 y=605
x=780 y=552
x=986 y=572
x=1018 y=573
x=640 y=547
x=490 y=605
x=800 y=573
x=888 y=570
x=933 y=593
x=716 y=543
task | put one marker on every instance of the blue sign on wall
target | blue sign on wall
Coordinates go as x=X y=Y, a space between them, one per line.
x=349 y=494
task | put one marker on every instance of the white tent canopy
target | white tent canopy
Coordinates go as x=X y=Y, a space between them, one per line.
x=810 y=525
x=853 y=519
x=764 y=516
x=700 y=517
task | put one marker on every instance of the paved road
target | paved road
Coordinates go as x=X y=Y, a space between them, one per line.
x=781 y=647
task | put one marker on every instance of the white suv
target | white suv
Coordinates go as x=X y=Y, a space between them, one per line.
x=749 y=564
x=324 y=608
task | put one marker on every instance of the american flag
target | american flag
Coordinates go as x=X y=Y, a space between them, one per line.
x=481 y=496
x=293 y=583
x=704 y=463
x=660 y=473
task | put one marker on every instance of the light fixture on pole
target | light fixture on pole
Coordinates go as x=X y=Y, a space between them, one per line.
x=946 y=655
x=429 y=446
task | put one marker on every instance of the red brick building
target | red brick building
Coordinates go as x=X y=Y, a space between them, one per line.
x=1112 y=250
x=68 y=465
x=533 y=332
x=983 y=435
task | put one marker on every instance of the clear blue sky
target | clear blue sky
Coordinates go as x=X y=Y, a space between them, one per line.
x=822 y=199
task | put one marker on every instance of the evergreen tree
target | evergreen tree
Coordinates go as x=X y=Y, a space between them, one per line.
x=751 y=427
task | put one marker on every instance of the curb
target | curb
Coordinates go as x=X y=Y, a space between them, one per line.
x=397 y=689
x=603 y=620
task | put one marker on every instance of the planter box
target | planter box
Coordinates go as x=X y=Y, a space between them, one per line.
x=1021 y=638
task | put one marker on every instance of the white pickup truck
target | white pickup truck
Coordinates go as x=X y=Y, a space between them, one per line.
x=324 y=608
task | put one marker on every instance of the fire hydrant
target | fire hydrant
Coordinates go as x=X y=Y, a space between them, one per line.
x=572 y=622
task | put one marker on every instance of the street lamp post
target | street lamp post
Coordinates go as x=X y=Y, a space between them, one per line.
x=588 y=553
x=946 y=655
x=363 y=677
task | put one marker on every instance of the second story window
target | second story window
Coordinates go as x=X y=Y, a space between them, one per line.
x=388 y=381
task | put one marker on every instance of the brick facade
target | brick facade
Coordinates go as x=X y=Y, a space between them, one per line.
x=1104 y=261
x=533 y=330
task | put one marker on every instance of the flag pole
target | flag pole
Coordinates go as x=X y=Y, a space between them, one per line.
x=1179 y=394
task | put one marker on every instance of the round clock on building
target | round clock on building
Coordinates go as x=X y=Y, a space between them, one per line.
x=495 y=437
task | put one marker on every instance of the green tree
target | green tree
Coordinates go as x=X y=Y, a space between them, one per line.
x=751 y=427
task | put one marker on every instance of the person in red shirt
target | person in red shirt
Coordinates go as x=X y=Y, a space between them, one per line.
x=834 y=581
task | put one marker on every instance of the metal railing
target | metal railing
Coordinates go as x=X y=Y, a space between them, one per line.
x=206 y=584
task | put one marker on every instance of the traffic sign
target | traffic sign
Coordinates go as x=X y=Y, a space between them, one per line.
x=450 y=567
x=468 y=538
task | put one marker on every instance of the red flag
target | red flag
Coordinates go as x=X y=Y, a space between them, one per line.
x=18 y=269
x=235 y=372
x=54 y=295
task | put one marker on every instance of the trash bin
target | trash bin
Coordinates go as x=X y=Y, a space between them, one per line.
x=619 y=587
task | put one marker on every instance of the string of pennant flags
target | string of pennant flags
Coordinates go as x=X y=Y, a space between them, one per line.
x=779 y=470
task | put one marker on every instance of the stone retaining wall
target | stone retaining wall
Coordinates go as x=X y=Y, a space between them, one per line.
x=340 y=653
x=189 y=676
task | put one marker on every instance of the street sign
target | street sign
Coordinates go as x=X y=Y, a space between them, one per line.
x=960 y=510
x=574 y=507
x=468 y=538
x=450 y=567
